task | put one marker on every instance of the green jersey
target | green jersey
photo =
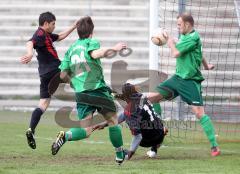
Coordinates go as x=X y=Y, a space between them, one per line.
x=86 y=72
x=190 y=59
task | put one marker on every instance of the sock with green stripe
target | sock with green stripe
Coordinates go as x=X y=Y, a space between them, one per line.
x=115 y=136
x=208 y=128
x=75 y=134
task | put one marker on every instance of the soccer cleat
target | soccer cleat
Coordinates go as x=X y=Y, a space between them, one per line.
x=151 y=154
x=215 y=151
x=119 y=161
x=120 y=155
x=58 y=143
x=30 y=138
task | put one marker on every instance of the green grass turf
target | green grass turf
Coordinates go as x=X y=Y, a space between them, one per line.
x=96 y=155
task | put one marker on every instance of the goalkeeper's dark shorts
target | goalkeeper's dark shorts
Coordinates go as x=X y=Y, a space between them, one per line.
x=152 y=137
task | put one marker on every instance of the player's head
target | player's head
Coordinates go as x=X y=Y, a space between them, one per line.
x=85 y=27
x=47 y=21
x=128 y=89
x=185 y=23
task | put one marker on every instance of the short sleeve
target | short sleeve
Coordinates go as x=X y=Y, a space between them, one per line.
x=38 y=39
x=186 y=44
x=65 y=63
x=94 y=44
x=54 y=37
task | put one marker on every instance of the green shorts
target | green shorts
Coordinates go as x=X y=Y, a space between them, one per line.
x=90 y=101
x=189 y=90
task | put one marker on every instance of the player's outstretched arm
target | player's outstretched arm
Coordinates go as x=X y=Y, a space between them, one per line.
x=206 y=65
x=172 y=45
x=65 y=33
x=103 y=52
x=28 y=56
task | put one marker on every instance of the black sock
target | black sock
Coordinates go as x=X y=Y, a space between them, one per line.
x=36 y=116
x=154 y=149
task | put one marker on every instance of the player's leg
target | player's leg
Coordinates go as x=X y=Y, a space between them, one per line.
x=74 y=134
x=136 y=139
x=165 y=90
x=190 y=92
x=208 y=128
x=44 y=102
x=104 y=101
x=115 y=135
x=35 y=118
x=38 y=112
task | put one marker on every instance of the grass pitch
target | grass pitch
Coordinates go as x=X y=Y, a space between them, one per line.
x=96 y=154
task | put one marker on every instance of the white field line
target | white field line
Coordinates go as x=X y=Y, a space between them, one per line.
x=127 y=144
x=51 y=139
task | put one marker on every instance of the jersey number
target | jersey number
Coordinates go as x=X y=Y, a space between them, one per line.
x=80 y=64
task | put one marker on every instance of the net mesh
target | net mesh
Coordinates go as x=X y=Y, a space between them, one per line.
x=218 y=24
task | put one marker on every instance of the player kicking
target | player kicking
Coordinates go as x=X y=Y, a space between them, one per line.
x=81 y=67
x=48 y=61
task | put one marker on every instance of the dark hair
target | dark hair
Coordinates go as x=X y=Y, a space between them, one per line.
x=127 y=90
x=46 y=17
x=85 y=27
x=186 y=17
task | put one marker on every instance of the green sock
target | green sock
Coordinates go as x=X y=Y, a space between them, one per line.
x=115 y=136
x=208 y=129
x=75 y=134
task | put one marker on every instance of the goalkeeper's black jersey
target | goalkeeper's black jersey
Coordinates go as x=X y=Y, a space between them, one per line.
x=141 y=118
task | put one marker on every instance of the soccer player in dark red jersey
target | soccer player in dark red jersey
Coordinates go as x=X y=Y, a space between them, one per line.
x=48 y=61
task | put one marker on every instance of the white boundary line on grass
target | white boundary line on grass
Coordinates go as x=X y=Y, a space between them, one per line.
x=51 y=139
x=127 y=144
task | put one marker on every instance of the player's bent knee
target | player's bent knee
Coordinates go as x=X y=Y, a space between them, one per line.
x=112 y=121
x=44 y=103
x=198 y=111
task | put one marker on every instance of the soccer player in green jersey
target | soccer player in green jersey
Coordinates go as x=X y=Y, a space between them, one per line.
x=187 y=80
x=81 y=67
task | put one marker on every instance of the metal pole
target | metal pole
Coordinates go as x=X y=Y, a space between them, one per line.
x=237 y=7
x=180 y=105
x=181 y=6
x=89 y=13
x=153 y=49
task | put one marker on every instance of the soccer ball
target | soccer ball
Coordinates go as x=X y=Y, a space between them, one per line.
x=159 y=37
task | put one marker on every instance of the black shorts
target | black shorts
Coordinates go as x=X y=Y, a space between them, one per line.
x=152 y=137
x=44 y=81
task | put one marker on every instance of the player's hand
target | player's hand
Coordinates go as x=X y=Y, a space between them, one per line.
x=175 y=39
x=26 y=58
x=119 y=46
x=75 y=24
x=210 y=67
x=165 y=33
x=118 y=96
x=171 y=41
